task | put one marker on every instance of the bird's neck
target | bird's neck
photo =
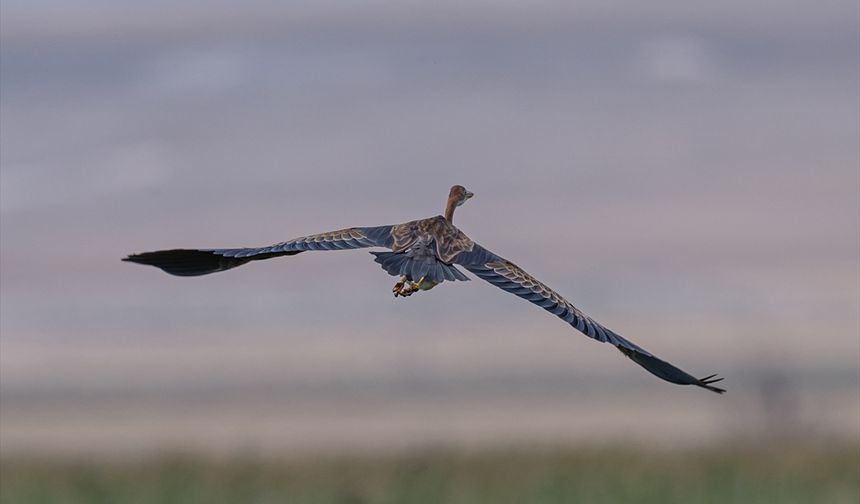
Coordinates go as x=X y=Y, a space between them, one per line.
x=449 y=210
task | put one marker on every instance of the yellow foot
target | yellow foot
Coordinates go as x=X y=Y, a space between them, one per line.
x=400 y=289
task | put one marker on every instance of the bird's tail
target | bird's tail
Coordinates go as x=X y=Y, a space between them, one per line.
x=399 y=263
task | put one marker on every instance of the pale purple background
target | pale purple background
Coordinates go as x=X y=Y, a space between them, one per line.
x=685 y=172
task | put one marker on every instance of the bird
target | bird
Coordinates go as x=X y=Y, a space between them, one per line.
x=423 y=254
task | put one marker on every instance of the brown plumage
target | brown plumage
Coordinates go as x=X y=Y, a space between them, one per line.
x=456 y=197
x=425 y=253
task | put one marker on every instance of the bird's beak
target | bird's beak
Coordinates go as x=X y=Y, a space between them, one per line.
x=469 y=194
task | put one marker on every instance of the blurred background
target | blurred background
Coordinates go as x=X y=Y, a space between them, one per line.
x=686 y=173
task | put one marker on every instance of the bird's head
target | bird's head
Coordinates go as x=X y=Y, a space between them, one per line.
x=459 y=195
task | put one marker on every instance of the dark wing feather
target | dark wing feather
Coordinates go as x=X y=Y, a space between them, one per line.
x=190 y=262
x=194 y=262
x=510 y=277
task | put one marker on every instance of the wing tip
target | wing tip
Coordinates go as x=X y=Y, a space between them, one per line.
x=708 y=381
x=134 y=258
x=669 y=372
x=185 y=262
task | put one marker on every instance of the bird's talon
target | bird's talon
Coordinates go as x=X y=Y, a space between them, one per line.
x=398 y=287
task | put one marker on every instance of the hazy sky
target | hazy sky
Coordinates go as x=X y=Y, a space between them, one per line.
x=686 y=173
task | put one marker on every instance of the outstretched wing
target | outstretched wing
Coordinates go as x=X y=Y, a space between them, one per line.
x=194 y=262
x=510 y=277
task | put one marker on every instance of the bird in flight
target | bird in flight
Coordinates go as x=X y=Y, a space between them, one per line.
x=423 y=254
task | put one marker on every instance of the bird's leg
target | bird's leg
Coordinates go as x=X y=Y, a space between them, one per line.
x=398 y=287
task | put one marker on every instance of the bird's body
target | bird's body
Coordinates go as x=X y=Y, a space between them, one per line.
x=425 y=249
x=424 y=253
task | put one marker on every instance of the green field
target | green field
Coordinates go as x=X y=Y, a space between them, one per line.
x=783 y=474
